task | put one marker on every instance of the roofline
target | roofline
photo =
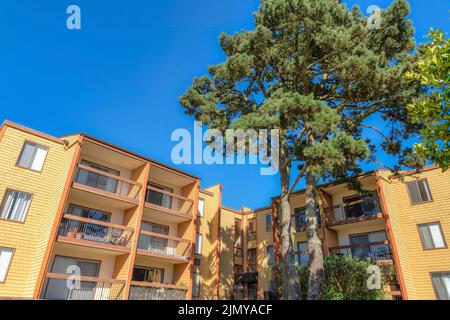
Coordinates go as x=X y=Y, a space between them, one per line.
x=329 y=184
x=137 y=155
x=93 y=139
x=8 y=123
x=232 y=210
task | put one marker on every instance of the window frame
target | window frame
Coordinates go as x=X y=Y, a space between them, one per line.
x=26 y=212
x=22 y=150
x=432 y=282
x=9 y=263
x=271 y=222
x=270 y=263
x=203 y=208
x=193 y=285
x=442 y=235
x=148 y=269
x=409 y=194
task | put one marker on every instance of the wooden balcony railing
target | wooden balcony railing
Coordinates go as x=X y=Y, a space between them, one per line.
x=107 y=183
x=361 y=208
x=375 y=251
x=67 y=287
x=156 y=291
x=169 y=202
x=164 y=245
x=95 y=231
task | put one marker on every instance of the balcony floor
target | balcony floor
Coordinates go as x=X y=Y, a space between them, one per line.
x=102 y=197
x=90 y=246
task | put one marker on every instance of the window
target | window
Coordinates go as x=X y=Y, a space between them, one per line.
x=300 y=218
x=302 y=254
x=198 y=243
x=148 y=274
x=251 y=256
x=196 y=287
x=270 y=255
x=419 y=191
x=238 y=270
x=15 y=205
x=197 y=261
x=269 y=222
x=201 y=206
x=238 y=252
x=5 y=261
x=251 y=229
x=432 y=236
x=97 y=180
x=441 y=284
x=32 y=156
x=237 y=233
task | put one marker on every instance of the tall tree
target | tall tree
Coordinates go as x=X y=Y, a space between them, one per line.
x=432 y=72
x=315 y=71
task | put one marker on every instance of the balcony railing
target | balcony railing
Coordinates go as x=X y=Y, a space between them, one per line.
x=64 y=287
x=156 y=291
x=375 y=251
x=74 y=227
x=365 y=207
x=164 y=245
x=168 y=201
x=107 y=183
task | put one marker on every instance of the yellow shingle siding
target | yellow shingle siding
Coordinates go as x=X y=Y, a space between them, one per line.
x=30 y=239
x=226 y=262
x=265 y=239
x=418 y=263
x=208 y=226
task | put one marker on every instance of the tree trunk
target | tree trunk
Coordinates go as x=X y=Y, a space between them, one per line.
x=316 y=272
x=291 y=282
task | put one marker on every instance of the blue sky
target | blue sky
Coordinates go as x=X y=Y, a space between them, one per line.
x=119 y=78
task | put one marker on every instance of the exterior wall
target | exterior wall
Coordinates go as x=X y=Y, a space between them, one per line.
x=416 y=262
x=226 y=261
x=30 y=239
x=265 y=239
x=208 y=227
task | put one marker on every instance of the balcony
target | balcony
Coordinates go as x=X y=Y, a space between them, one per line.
x=367 y=208
x=107 y=184
x=64 y=287
x=94 y=233
x=379 y=252
x=156 y=291
x=178 y=208
x=163 y=246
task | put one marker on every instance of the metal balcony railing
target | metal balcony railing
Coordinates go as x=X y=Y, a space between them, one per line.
x=67 y=287
x=374 y=251
x=164 y=245
x=168 y=201
x=364 y=207
x=74 y=227
x=156 y=291
x=107 y=182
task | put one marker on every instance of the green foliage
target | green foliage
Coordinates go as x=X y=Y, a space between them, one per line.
x=433 y=111
x=314 y=70
x=345 y=279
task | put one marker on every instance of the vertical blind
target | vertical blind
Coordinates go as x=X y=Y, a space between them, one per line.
x=15 y=205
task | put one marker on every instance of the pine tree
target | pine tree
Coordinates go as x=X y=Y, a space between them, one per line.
x=314 y=70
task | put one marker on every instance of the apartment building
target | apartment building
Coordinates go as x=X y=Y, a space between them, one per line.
x=134 y=228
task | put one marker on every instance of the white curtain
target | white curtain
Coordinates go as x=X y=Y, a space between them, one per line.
x=39 y=158
x=5 y=260
x=437 y=236
x=15 y=205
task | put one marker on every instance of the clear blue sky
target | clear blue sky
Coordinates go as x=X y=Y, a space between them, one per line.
x=120 y=77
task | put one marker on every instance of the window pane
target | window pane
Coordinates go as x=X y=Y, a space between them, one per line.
x=5 y=260
x=268 y=222
x=198 y=244
x=270 y=255
x=441 y=283
x=27 y=154
x=426 y=237
x=15 y=205
x=39 y=158
x=302 y=254
x=196 y=287
x=413 y=191
x=201 y=205
x=424 y=190
x=438 y=239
